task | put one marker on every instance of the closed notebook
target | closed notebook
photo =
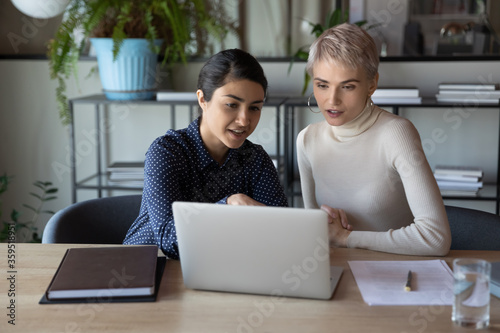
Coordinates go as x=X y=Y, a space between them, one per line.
x=105 y=272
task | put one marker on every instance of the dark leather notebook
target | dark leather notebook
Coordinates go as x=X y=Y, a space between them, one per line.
x=108 y=274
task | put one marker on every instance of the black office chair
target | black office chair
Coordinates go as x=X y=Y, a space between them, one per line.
x=473 y=229
x=96 y=221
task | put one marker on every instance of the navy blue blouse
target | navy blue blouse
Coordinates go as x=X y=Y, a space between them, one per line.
x=178 y=167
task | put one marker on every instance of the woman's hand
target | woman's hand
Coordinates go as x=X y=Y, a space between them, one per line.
x=338 y=228
x=240 y=199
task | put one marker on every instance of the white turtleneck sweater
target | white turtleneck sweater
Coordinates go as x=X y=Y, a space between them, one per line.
x=374 y=168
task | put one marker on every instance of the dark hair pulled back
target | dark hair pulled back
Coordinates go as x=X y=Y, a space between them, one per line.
x=229 y=65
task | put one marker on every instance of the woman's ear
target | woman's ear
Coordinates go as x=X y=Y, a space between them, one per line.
x=373 y=85
x=201 y=99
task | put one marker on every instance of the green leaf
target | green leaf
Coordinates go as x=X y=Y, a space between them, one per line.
x=119 y=33
x=334 y=18
x=14 y=215
x=300 y=54
x=36 y=195
x=20 y=226
x=36 y=238
x=48 y=212
x=4 y=233
x=290 y=65
x=4 y=182
x=317 y=29
x=151 y=34
x=307 y=79
x=92 y=71
x=30 y=208
x=51 y=190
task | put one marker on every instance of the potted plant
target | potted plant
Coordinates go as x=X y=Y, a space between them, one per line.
x=17 y=231
x=172 y=29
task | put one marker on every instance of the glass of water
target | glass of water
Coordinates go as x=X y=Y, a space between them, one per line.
x=471 y=288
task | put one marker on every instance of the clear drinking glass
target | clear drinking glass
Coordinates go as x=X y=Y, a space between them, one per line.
x=471 y=288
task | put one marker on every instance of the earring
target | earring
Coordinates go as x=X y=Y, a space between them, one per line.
x=309 y=104
x=371 y=101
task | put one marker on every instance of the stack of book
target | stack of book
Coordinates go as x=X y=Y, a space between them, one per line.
x=396 y=95
x=129 y=174
x=470 y=93
x=176 y=96
x=458 y=180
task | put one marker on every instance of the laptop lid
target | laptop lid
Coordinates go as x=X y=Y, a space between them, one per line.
x=254 y=249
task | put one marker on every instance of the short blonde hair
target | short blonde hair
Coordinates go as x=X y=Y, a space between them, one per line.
x=345 y=45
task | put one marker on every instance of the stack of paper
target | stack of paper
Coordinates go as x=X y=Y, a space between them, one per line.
x=126 y=174
x=470 y=93
x=458 y=180
x=396 y=95
x=383 y=282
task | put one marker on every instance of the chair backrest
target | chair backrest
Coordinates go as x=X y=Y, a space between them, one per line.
x=473 y=229
x=95 y=221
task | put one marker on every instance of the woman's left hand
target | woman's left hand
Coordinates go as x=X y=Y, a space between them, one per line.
x=241 y=199
x=338 y=226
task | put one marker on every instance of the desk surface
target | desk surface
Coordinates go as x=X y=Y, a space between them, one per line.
x=178 y=309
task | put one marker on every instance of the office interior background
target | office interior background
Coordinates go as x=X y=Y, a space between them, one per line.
x=35 y=146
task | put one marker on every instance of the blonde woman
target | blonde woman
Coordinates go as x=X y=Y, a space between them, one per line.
x=363 y=165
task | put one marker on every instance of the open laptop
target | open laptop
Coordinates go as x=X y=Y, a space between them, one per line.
x=255 y=249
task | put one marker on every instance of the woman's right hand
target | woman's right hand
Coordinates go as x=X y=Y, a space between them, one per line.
x=338 y=226
x=240 y=199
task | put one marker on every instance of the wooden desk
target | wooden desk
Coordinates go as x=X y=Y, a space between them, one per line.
x=182 y=310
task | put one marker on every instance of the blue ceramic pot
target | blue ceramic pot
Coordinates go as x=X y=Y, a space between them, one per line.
x=132 y=76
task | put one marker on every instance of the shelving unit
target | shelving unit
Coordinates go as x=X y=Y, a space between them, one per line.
x=98 y=181
x=286 y=158
x=489 y=192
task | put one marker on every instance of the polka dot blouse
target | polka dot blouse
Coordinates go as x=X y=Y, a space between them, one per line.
x=178 y=167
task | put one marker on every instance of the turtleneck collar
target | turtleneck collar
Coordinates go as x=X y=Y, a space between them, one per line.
x=358 y=125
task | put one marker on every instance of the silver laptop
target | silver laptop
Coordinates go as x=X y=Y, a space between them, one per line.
x=255 y=249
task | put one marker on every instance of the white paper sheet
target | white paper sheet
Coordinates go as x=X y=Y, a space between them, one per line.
x=383 y=282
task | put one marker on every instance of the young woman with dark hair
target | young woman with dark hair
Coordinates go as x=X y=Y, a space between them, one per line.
x=211 y=160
